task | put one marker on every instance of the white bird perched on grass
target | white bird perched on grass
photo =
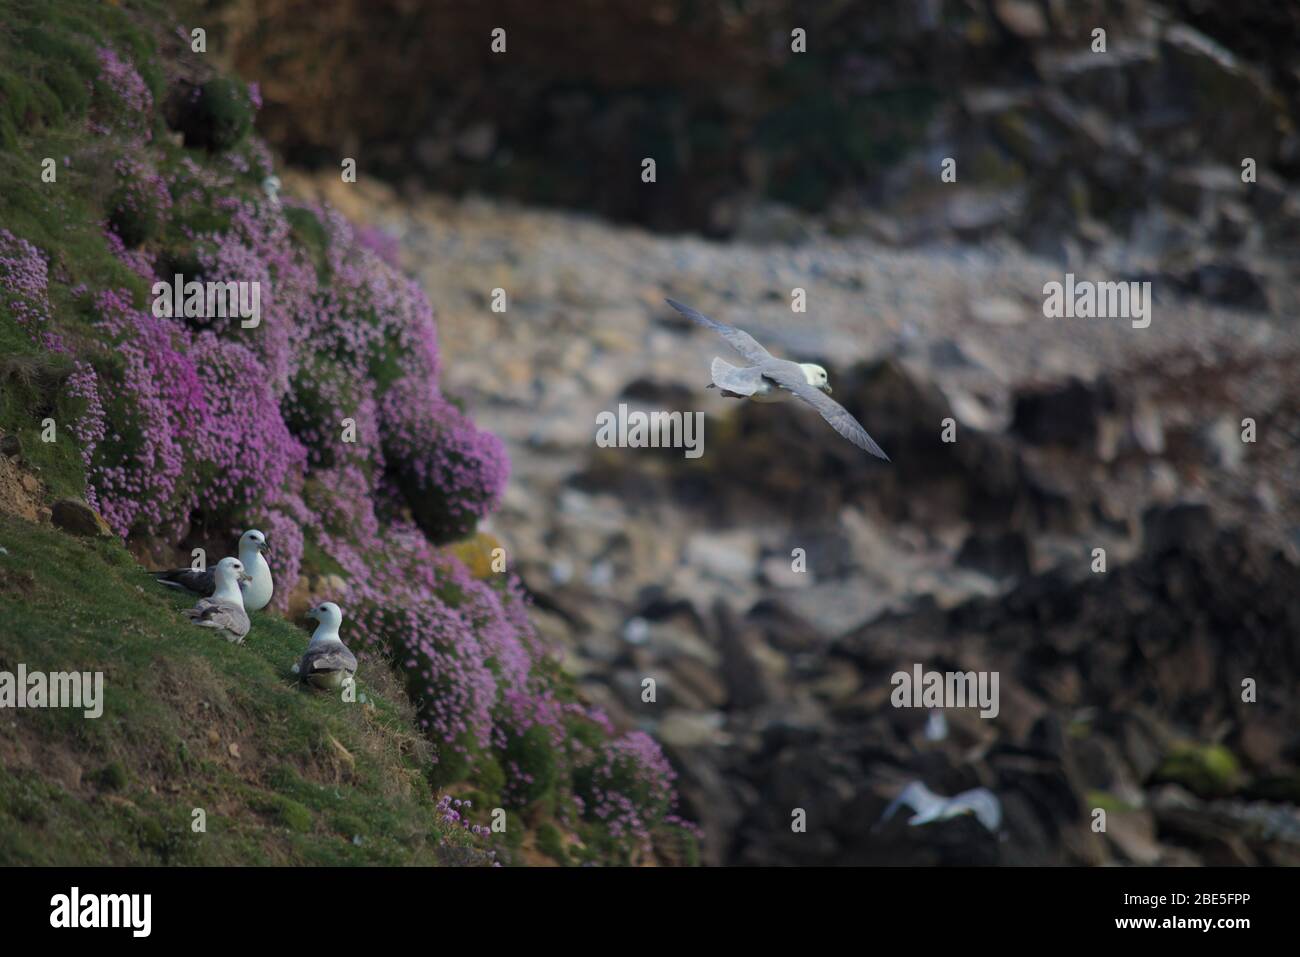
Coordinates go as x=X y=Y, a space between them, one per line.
x=327 y=663
x=769 y=379
x=929 y=806
x=224 y=611
x=257 y=593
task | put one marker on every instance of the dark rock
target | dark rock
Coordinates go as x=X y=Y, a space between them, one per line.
x=783 y=629
x=1000 y=553
x=1229 y=284
x=1181 y=527
x=1068 y=414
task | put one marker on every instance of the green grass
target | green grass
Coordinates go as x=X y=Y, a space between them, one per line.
x=316 y=780
x=48 y=59
x=29 y=393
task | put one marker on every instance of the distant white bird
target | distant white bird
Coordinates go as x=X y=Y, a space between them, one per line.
x=936 y=726
x=271 y=186
x=769 y=379
x=935 y=807
x=224 y=611
x=257 y=593
x=327 y=663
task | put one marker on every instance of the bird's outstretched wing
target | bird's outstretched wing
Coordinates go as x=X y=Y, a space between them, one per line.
x=919 y=798
x=738 y=339
x=982 y=803
x=790 y=376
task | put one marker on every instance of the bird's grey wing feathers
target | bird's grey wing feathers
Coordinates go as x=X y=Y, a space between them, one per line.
x=330 y=657
x=201 y=583
x=790 y=376
x=738 y=339
x=981 y=802
x=222 y=615
x=731 y=378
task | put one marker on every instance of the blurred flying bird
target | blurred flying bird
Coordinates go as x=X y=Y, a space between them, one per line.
x=935 y=807
x=769 y=379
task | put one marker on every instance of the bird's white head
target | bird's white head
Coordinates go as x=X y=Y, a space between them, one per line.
x=255 y=540
x=816 y=376
x=328 y=614
x=231 y=571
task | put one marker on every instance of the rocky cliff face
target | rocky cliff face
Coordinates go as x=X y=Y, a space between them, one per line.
x=1129 y=144
x=1120 y=690
x=1170 y=156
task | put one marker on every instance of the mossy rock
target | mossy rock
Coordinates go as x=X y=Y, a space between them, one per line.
x=476 y=553
x=1108 y=802
x=1207 y=771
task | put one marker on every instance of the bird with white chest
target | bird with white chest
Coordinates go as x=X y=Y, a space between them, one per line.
x=327 y=663
x=769 y=379
x=223 y=612
x=257 y=591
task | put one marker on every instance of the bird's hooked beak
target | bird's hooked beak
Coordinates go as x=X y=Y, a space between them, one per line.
x=264 y=548
x=245 y=577
x=826 y=387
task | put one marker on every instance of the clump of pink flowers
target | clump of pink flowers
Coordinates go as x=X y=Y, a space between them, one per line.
x=140 y=202
x=123 y=99
x=24 y=280
x=326 y=427
x=450 y=472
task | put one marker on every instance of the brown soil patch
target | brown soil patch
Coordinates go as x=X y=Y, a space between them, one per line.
x=20 y=492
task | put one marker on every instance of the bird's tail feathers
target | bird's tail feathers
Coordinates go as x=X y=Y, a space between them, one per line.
x=721 y=366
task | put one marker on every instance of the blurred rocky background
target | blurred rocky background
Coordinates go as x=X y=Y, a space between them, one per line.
x=1121 y=689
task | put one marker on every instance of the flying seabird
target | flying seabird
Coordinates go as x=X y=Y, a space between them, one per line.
x=224 y=611
x=257 y=593
x=929 y=806
x=768 y=379
x=327 y=663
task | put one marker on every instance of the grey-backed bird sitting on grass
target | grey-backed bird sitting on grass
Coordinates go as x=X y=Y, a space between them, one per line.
x=769 y=379
x=224 y=611
x=327 y=663
x=257 y=592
